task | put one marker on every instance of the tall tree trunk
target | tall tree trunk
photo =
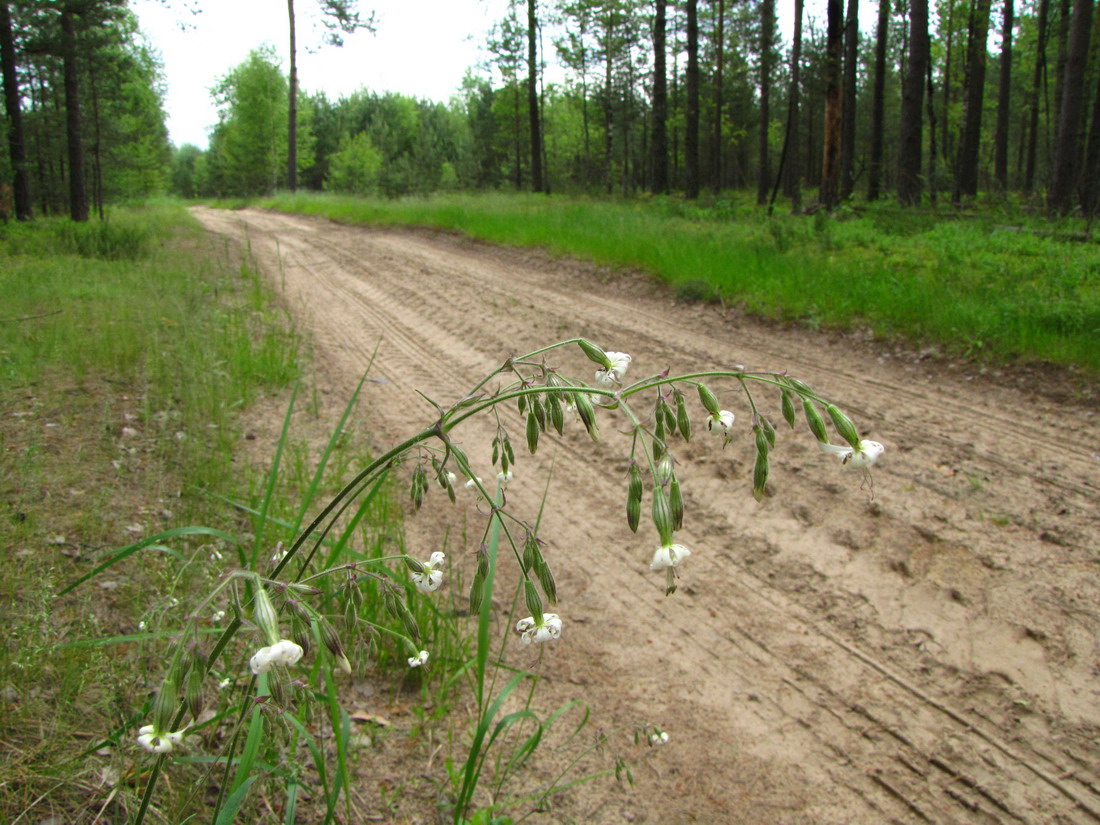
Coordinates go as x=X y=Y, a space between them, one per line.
x=1068 y=146
x=292 y=121
x=830 y=155
x=767 y=35
x=793 y=174
x=1090 y=189
x=930 y=108
x=78 y=192
x=537 y=183
x=691 y=132
x=966 y=167
x=878 y=101
x=912 y=96
x=1064 y=17
x=17 y=143
x=660 y=103
x=1036 y=87
x=848 y=109
x=945 y=140
x=1004 y=97
x=608 y=114
x=719 y=45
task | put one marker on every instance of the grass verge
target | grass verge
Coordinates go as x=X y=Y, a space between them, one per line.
x=127 y=349
x=991 y=284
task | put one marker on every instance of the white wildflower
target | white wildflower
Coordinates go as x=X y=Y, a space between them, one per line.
x=658 y=737
x=419 y=659
x=432 y=577
x=612 y=376
x=668 y=556
x=156 y=741
x=720 y=422
x=545 y=630
x=283 y=652
x=860 y=458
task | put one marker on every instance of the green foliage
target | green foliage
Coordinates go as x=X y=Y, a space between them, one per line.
x=248 y=149
x=125 y=353
x=354 y=169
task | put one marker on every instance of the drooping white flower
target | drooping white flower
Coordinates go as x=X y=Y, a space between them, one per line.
x=658 y=737
x=419 y=659
x=156 y=741
x=432 y=577
x=612 y=376
x=504 y=479
x=284 y=652
x=860 y=458
x=720 y=422
x=530 y=630
x=668 y=555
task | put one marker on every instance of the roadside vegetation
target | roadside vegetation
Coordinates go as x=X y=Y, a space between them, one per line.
x=988 y=283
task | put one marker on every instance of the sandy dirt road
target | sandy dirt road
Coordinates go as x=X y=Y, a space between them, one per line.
x=931 y=655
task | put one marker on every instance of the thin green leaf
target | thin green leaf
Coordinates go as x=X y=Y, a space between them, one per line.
x=126 y=552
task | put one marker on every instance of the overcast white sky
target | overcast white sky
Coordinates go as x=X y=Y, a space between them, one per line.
x=422 y=48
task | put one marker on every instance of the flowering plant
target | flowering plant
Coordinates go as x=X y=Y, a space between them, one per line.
x=655 y=409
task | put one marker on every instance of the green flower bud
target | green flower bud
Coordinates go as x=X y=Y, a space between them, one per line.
x=788 y=409
x=300 y=635
x=477 y=593
x=263 y=613
x=664 y=469
x=164 y=706
x=814 y=419
x=540 y=412
x=633 y=513
x=407 y=619
x=298 y=610
x=762 y=443
x=676 y=503
x=557 y=415
x=670 y=418
x=587 y=413
x=193 y=692
x=843 y=425
x=634 y=489
x=415 y=565
x=800 y=386
x=769 y=430
x=532 y=433
x=662 y=516
x=710 y=401
x=594 y=353
x=683 y=420
x=530 y=553
x=531 y=597
x=760 y=475
x=546 y=579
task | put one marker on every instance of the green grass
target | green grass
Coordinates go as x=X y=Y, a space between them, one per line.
x=127 y=349
x=992 y=284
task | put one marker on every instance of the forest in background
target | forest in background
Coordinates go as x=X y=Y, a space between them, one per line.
x=935 y=103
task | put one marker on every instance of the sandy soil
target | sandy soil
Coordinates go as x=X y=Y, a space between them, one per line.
x=928 y=655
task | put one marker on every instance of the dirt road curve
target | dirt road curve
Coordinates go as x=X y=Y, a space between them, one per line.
x=930 y=655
